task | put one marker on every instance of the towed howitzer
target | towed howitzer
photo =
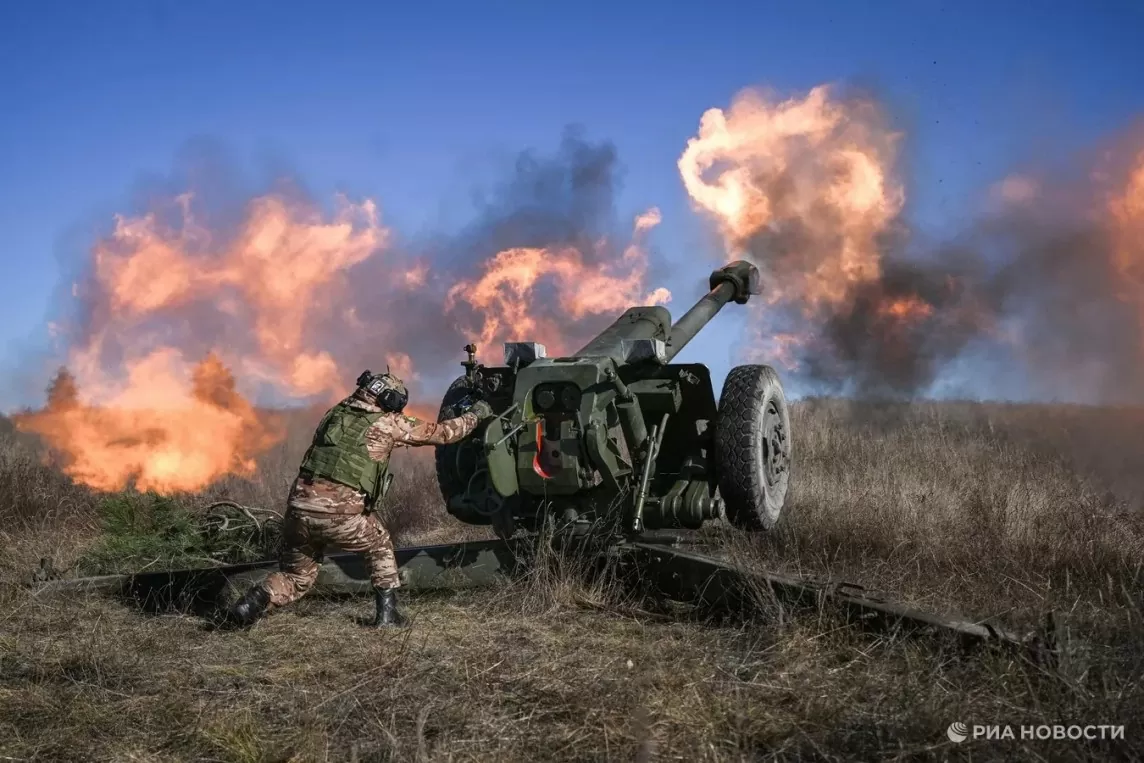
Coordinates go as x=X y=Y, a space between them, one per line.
x=616 y=431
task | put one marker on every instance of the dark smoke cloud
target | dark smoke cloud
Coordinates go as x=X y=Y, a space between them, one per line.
x=1032 y=301
x=560 y=198
x=879 y=355
x=566 y=197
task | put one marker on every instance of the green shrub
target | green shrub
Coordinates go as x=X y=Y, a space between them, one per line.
x=150 y=531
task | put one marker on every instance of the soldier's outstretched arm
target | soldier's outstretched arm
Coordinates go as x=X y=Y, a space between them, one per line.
x=413 y=431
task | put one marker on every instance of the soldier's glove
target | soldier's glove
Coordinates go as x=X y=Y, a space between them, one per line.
x=482 y=410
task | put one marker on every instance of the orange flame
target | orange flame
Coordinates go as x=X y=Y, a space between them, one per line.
x=905 y=309
x=139 y=408
x=172 y=428
x=280 y=269
x=503 y=298
x=1126 y=213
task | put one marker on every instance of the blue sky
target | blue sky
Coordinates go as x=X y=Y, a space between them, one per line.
x=401 y=101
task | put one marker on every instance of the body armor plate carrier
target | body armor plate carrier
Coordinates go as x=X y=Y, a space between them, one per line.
x=338 y=452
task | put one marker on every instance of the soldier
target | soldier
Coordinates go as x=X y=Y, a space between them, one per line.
x=332 y=501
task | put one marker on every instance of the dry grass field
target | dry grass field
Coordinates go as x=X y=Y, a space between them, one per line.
x=990 y=510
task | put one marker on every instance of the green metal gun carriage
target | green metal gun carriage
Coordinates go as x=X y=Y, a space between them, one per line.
x=617 y=432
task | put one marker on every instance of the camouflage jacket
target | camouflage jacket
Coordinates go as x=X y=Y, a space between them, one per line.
x=392 y=430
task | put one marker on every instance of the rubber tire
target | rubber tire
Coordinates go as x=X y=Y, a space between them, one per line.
x=742 y=447
x=449 y=482
x=445 y=456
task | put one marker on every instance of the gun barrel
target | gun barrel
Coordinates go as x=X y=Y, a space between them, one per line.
x=693 y=321
x=635 y=323
x=736 y=281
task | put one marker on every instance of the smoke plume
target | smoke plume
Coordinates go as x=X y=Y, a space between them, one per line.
x=1045 y=291
x=210 y=298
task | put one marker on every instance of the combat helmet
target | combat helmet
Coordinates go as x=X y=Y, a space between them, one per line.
x=386 y=390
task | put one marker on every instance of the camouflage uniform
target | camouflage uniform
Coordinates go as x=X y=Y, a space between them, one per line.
x=322 y=513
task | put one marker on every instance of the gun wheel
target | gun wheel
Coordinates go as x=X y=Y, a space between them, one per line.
x=456 y=464
x=753 y=447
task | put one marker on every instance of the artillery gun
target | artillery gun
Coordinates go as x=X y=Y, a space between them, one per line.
x=616 y=432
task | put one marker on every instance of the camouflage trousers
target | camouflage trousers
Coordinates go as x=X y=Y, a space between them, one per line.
x=307 y=536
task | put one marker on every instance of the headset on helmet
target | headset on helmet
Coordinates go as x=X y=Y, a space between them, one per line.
x=386 y=388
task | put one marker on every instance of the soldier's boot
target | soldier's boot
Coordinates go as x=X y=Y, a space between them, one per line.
x=250 y=607
x=387 y=614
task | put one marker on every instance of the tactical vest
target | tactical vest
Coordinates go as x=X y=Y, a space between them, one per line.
x=338 y=451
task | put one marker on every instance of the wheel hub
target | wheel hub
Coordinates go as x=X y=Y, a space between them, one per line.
x=776 y=459
x=486 y=501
